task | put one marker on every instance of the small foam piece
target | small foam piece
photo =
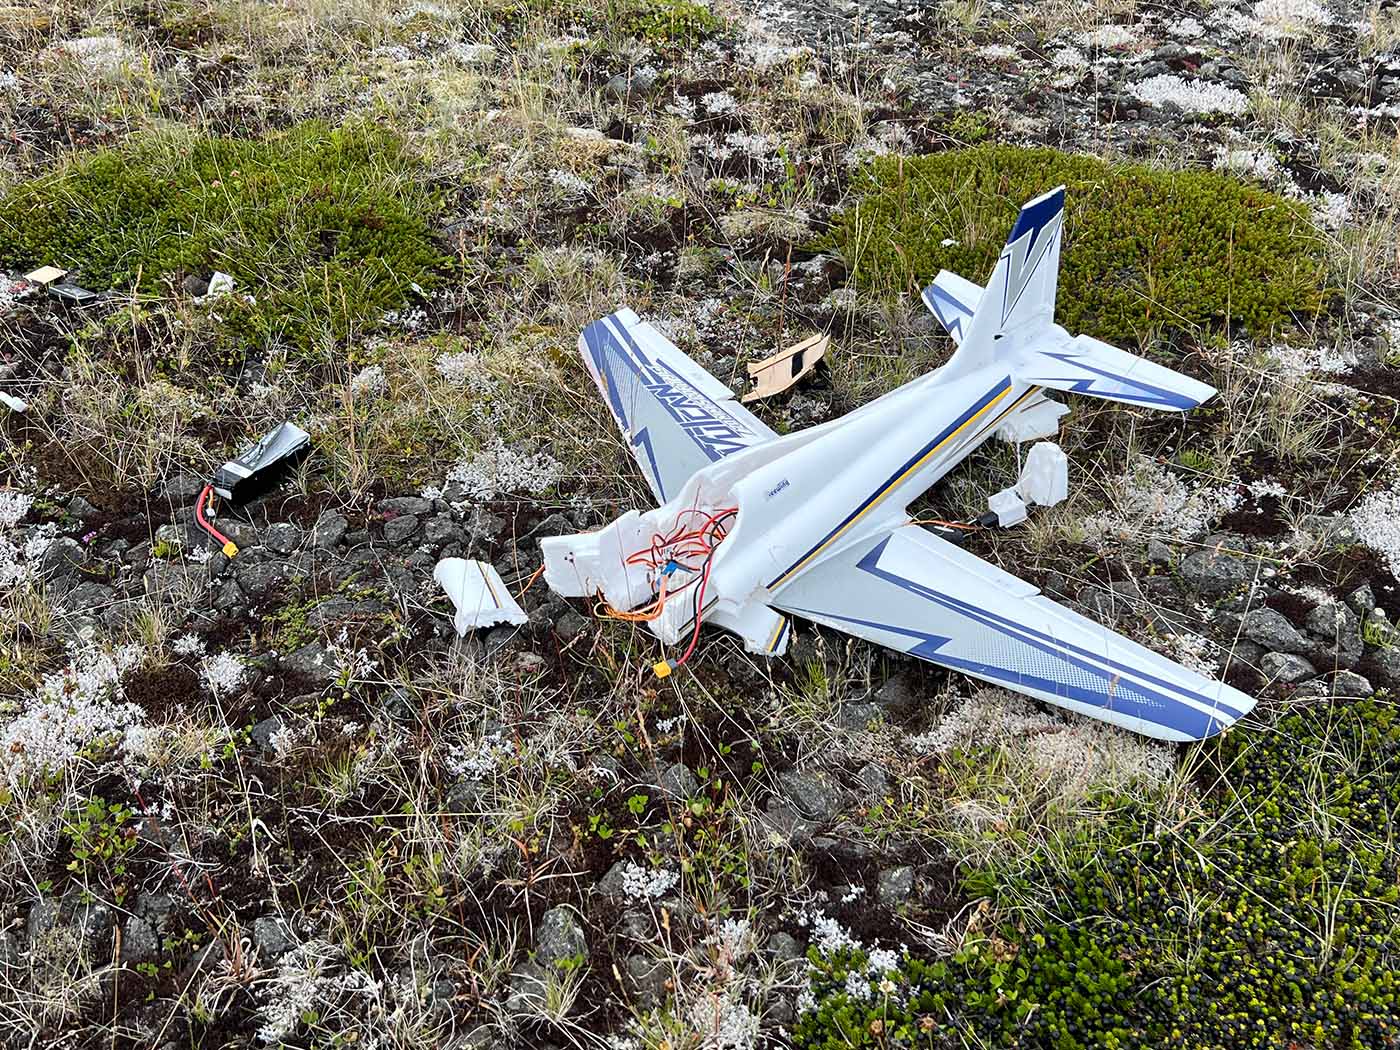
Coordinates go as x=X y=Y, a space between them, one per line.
x=1045 y=476
x=1039 y=421
x=14 y=404
x=1009 y=508
x=45 y=275
x=479 y=594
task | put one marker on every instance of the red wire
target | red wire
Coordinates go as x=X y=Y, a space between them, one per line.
x=224 y=541
x=699 y=613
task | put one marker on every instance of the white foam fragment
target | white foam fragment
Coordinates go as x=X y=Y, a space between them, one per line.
x=479 y=594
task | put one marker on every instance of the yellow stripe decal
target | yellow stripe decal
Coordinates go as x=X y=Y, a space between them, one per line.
x=967 y=420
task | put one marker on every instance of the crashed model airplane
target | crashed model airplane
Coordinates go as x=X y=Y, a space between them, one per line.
x=755 y=528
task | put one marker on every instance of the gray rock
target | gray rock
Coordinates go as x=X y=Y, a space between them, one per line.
x=612 y=883
x=272 y=937
x=329 y=530
x=1338 y=629
x=895 y=885
x=1286 y=667
x=570 y=625
x=1362 y=600
x=1158 y=553
x=90 y=597
x=559 y=937
x=897 y=696
x=678 y=782
x=183 y=487
x=555 y=524
x=1246 y=652
x=784 y=948
x=527 y=990
x=155 y=908
x=1350 y=684
x=282 y=537
x=1215 y=572
x=1271 y=629
x=1387 y=661
x=442 y=529
x=874 y=779
x=139 y=941
x=172 y=536
x=64 y=559
x=399 y=529
x=166 y=579
x=263 y=732
x=229 y=596
x=784 y=823
x=646 y=980
x=259 y=577
x=858 y=715
x=815 y=794
x=414 y=505
x=81 y=508
x=312 y=661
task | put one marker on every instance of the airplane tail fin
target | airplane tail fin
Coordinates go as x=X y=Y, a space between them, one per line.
x=1021 y=291
x=1010 y=324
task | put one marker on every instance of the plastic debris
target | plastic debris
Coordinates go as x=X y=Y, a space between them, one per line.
x=1045 y=477
x=14 y=404
x=1008 y=506
x=45 y=275
x=72 y=294
x=478 y=593
x=1040 y=420
x=220 y=284
x=775 y=374
x=259 y=466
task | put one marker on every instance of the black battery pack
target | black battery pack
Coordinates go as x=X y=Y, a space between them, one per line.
x=259 y=467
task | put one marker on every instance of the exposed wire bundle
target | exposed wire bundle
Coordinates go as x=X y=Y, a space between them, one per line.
x=689 y=548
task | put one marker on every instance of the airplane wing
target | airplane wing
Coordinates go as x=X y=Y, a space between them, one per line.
x=675 y=415
x=916 y=593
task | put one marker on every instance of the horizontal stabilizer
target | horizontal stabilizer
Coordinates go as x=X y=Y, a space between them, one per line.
x=1085 y=365
x=953 y=300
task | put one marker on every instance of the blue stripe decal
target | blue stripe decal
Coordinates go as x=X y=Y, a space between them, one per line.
x=1119 y=697
x=1124 y=696
x=951 y=321
x=704 y=423
x=593 y=337
x=643 y=442
x=869 y=564
x=1035 y=217
x=951 y=428
x=1150 y=393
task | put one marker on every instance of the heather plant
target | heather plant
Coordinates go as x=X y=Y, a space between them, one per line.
x=1267 y=919
x=323 y=230
x=1144 y=250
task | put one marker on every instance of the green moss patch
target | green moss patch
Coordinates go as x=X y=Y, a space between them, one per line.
x=326 y=229
x=1144 y=250
x=658 y=22
x=1267 y=922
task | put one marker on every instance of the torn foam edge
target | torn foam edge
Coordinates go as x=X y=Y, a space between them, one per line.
x=479 y=594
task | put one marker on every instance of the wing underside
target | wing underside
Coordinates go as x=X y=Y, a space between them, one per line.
x=676 y=417
x=914 y=592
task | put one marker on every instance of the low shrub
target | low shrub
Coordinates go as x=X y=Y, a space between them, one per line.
x=324 y=228
x=1269 y=922
x=1144 y=250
